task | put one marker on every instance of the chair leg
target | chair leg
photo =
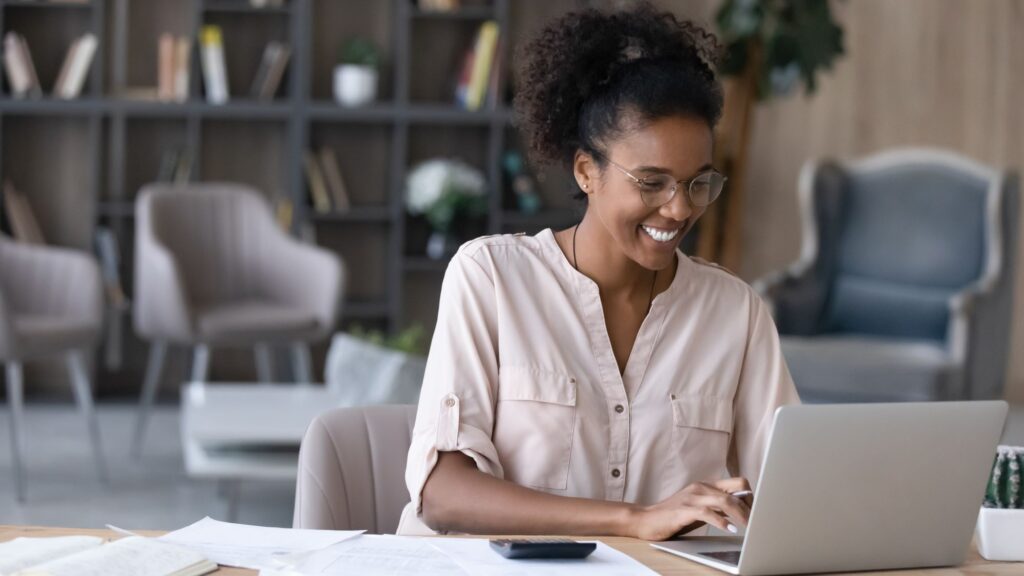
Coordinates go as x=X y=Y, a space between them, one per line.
x=302 y=363
x=157 y=354
x=83 y=395
x=15 y=400
x=264 y=363
x=200 y=363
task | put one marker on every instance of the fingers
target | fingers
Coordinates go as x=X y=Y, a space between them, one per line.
x=734 y=508
x=732 y=484
x=710 y=516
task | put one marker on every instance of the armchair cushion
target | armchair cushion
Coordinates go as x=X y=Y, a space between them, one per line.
x=248 y=321
x=45 y=335
x=858 y=369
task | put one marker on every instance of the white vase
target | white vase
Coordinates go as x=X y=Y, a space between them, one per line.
x=999 y=534
x=355 y=85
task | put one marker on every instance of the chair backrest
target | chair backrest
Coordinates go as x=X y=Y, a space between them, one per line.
x=900 y=233
x=352 y=469
x=216 y=232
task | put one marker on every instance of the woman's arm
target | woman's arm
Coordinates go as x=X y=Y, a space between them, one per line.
x=458 y=497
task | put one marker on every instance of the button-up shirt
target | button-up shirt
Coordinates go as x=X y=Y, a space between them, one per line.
x=521 y=377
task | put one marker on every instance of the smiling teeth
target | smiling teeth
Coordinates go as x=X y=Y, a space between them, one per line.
x=659 y=235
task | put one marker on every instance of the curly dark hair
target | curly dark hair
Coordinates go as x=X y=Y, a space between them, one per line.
x=586 y=72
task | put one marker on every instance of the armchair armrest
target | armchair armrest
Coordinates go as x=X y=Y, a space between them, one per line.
x=161 y=305
x=796 y=296
x=307 y=277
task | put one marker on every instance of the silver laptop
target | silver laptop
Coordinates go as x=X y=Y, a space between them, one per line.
x=851 y=487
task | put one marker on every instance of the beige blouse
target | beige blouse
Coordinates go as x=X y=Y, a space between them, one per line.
x=522 y=379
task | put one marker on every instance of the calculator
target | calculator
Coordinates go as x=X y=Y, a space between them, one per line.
x=524 y=548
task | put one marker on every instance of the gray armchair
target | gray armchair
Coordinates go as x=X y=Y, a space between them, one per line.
x=51 y=304
x=903 y=290
x=213 y=269
x=352 y=469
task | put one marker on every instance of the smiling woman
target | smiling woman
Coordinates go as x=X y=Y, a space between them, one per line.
x=596 y=380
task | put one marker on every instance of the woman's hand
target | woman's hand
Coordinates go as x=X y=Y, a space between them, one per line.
x=698 y=504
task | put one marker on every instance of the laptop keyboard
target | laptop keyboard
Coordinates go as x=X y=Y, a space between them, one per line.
x=728 y=556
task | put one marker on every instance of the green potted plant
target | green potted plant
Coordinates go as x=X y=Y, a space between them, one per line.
x=356 y=75
x=1001 y=521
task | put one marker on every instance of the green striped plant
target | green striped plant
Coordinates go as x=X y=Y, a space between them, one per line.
x=1004 y=484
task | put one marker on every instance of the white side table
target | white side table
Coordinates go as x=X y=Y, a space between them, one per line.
x=235 y=432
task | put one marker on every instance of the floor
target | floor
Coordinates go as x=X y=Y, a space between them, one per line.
x=154 y=493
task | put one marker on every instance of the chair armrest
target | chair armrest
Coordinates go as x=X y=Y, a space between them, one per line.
x=306 y=276
x=795 y=296
x=162 y=309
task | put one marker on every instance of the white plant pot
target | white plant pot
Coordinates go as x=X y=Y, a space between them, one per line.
x=355 y=85
x=999 y=534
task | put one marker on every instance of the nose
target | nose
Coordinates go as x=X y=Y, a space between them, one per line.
x=679 y=207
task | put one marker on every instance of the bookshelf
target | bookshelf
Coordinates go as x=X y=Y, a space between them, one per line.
x=109 y=144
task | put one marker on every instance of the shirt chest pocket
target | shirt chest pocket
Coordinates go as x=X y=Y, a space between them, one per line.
x=534 y=425
x=701 y=431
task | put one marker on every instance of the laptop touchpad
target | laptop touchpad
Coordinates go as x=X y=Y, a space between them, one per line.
x=725 y=556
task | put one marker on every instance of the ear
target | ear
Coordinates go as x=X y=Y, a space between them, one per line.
x=585 y=171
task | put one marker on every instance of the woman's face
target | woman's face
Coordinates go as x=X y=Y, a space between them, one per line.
x=679 y=146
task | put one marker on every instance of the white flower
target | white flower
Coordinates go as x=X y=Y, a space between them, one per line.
x=429 y=181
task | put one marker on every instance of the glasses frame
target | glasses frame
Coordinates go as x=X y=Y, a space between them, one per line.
x=675 y=187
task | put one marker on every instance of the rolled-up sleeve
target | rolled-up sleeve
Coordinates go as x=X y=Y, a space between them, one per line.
x=764 y=385
x=456 y=406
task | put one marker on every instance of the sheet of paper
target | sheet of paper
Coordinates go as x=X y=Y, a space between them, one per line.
x=372 y=555
x=476 y=557
x=254 y=547
x=21 y=553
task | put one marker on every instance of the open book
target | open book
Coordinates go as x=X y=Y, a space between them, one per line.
x=89 y=556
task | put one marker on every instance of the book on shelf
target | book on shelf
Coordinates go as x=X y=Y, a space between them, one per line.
x=175 y=166
x=22 y=220
x=215 y=77
x=271 y=71
x=75 y=67
x=67 y=555
x=284 y=213
x=21 y=72
x=479 y=65
x=182 y=67
x=317 y=186
x=165 y=67
x=109 y=253
x=438 y=5
x=335 y=182
x=173 y=55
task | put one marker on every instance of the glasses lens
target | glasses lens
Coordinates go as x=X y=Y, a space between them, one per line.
x=657 y=189
x=704 y=189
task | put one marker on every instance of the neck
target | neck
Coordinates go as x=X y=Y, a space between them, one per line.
x=599 y=258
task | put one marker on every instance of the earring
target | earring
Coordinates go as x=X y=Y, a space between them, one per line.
x=585 y=186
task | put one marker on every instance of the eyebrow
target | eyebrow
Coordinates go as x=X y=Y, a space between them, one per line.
x=660 y=170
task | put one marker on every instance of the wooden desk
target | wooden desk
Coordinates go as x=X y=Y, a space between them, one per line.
x=660 y=562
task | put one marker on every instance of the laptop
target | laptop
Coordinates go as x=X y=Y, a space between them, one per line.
x=854 y=487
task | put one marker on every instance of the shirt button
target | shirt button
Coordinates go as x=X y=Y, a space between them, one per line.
x=449 y=402
x=619 y=408
x=616 y=473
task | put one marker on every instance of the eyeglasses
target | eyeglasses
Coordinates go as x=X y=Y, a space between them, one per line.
x=657 y=190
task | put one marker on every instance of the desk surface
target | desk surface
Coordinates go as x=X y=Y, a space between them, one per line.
x=660 y=562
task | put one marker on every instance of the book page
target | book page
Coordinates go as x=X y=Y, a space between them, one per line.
x=134 y=556
x=21 y=553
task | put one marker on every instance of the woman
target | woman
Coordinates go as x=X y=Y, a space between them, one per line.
x=596 y=380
